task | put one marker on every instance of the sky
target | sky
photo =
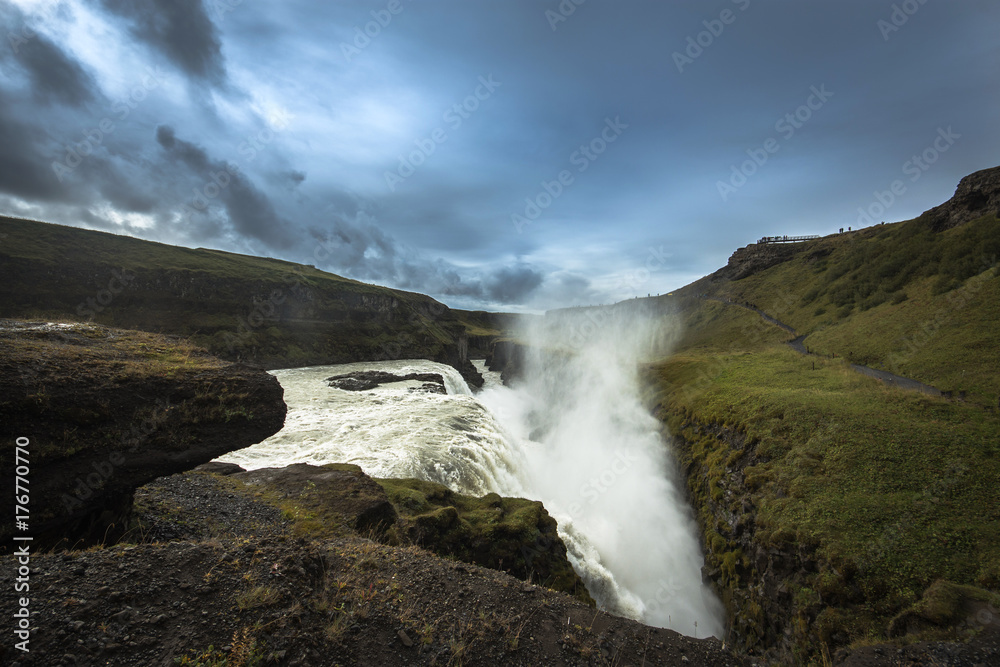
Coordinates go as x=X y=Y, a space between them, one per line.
x=517 y=155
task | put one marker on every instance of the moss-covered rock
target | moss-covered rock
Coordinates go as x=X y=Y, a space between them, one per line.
x=514 y=535
x=944 y=607
x=511 y=534
x=326 y=499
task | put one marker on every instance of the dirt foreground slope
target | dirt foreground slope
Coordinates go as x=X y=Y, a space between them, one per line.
x=234 y=585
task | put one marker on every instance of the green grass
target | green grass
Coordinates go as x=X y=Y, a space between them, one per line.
x=887 y=491
x=711 y=326
x=883 y=504
x=511 y=534
x=899 y=297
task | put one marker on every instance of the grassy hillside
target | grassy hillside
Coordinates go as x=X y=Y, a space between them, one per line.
x=836 y=510
x=900 y=297
x=267 y=311
x=876 y=492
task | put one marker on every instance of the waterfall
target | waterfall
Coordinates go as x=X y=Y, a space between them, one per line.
x=574 y=436
x=596 y=458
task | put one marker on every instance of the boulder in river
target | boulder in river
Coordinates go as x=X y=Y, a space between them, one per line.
x=433 y=383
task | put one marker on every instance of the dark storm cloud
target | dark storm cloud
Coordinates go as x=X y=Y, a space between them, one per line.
x=55 y=77
x=447 y=229
x=74 y=177
x=179 y=29
x=365 y=252
x=191 y=155
x=22 y=172
x=512 y=284
x=344 y=242
x=249 y=210
x=46 y=135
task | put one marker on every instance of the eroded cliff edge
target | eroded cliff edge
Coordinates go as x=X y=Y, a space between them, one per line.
x=107 y=410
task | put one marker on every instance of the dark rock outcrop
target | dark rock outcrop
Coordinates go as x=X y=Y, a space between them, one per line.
x=457 y=356
x=757 y=257
x=978 y=194
x=219 y=468
x=104 y=411
x=508 y=357
x=515 y=535
x=367 y=380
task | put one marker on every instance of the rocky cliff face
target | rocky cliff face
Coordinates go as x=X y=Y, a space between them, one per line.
x=755 y=258
x=755 y=580
x=104 y=411
x=508 y=357
x=977 y=195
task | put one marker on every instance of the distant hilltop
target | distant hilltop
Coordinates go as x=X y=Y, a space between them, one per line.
x=977 y=194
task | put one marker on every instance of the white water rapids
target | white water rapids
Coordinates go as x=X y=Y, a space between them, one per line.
x=577 y=439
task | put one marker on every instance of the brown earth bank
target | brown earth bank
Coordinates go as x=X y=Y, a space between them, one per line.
x=216 y=576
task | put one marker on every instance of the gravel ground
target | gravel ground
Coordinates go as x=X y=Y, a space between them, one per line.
x=219 y=574
x=216 y=574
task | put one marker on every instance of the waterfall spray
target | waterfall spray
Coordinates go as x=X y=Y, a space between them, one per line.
x=597 y=460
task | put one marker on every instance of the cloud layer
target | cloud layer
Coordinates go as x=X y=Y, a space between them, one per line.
x=512 y=155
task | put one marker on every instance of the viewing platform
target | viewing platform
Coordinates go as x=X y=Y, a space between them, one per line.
x=785 y=239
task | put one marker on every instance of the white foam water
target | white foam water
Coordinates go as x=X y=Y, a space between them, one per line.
x=389 y=431
x=596 y=458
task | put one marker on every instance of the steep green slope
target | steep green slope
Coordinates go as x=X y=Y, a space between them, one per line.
x=836 y=509
x=267 y=311
x=849 y=496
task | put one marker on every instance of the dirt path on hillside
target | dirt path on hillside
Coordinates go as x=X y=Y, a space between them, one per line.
x=798 y=344
x=747 y=306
